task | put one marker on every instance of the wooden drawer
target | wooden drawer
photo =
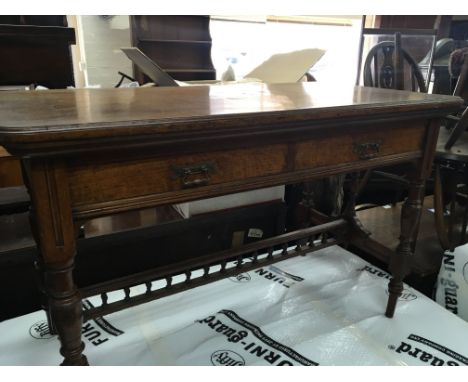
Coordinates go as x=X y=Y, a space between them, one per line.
x=359 y=145
x=115 y=184
x=94 y=183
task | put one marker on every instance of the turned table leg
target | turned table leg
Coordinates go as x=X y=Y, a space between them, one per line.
x=38 y=265
x=65 y=307
x=55 y=235
x=40 y=281
x=400 y=263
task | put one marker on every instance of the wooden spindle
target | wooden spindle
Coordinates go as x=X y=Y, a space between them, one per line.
x=127 y=293
x=298 y=247
x=324 y=238
x=104 y=298
x=223 y=267
x=148 y=287
x=239 y=262
x=270 y=253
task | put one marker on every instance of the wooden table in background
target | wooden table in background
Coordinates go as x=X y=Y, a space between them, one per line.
x=94 y=152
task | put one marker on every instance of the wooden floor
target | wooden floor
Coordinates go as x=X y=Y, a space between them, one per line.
x=384 y=224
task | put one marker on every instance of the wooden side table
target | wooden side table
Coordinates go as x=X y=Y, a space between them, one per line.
x=94 y=152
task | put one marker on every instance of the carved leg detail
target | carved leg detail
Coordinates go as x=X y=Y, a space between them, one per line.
x=54 y=232
x=39 y=270
x=400 y=263
x=65 y=306
x=395 y=288
x=40 y=276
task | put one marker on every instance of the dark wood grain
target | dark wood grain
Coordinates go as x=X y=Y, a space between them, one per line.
x=37 y=55
x=94 y=113
x=54 y=233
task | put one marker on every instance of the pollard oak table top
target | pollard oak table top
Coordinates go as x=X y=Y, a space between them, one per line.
x=58 y=115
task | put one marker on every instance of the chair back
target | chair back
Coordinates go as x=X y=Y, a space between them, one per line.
x=385 y=67
x=459 y=123
x=400 y=58
x=461 y=88
x=451 y=172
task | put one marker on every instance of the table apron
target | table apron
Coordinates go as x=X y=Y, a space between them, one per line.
x=112 y=184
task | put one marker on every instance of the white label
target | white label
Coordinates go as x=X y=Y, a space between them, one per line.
x=255 y=232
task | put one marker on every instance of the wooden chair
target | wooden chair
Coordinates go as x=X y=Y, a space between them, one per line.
x=459 y=122
x=451 y=172
x=388 y=65
x=390 y=73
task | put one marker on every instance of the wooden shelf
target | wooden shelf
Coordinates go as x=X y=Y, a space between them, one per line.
x=181 y=45
x=36 y=55
x=45 y=33
x=174 y=41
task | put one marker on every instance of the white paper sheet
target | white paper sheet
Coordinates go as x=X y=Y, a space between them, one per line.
x=286 y=67
x=326 y=308
x=452 y=282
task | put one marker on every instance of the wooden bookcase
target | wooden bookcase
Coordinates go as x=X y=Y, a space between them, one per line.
x=36 y=53
x=181 y=45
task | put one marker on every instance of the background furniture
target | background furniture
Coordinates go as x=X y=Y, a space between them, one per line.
x=394 y=53
x=386 y=60
x=10 y=170
x=181 y=45
x=443 y=81
x=35 y=50
x=452 y=33
x=451 y=173
x=390 y=74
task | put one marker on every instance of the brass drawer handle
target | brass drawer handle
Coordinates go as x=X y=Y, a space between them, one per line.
x=194 y=175
x=367 y=150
